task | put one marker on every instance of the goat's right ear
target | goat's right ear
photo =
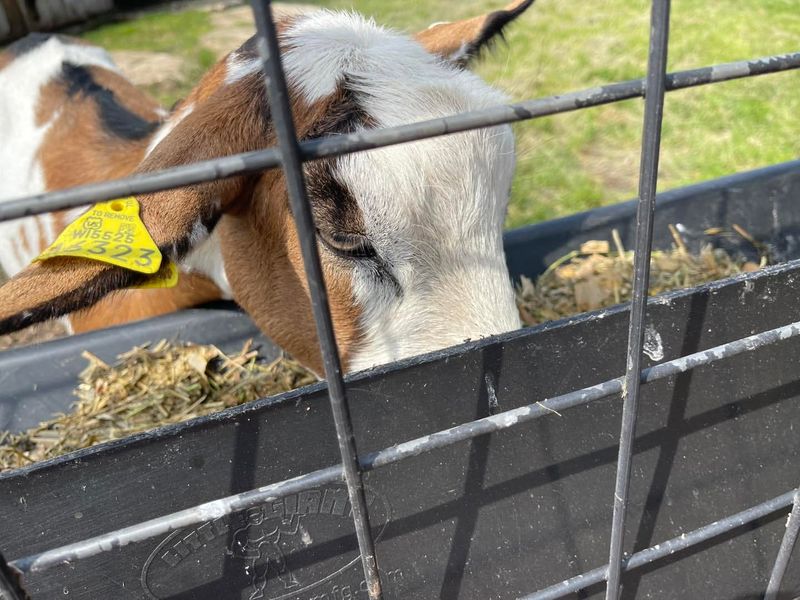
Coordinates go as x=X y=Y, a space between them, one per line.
x=461 y=41
x=218 y=122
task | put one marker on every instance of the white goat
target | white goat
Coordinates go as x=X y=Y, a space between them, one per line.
x=410 y=235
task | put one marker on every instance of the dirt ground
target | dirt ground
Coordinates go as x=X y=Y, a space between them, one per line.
x=231 y=26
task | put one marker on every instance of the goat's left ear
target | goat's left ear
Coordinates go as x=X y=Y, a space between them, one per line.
x=230 y=120
x=461 y=41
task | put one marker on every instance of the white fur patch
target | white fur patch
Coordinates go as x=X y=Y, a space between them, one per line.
x=238 y=67
x=434 y=209
x=168 y=126
x=20 y=139
x=206 y=259
x=326 y=45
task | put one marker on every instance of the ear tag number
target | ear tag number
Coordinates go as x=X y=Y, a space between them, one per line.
x=110 y=232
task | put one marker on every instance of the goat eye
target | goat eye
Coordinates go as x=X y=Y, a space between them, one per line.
x=348 y=245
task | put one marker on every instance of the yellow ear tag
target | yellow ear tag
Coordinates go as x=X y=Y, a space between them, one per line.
x=166 y=277
x=110 y=232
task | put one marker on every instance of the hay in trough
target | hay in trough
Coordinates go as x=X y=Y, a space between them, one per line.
x=600 y=274
x=168 y=383
x=149 y=387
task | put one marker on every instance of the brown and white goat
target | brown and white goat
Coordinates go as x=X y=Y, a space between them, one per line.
x=410 y=235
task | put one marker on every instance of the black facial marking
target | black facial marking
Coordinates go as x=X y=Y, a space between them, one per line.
x=345 y=114
x=248 y=50
x=116 y=118
x=335 y=209
x=338 y=217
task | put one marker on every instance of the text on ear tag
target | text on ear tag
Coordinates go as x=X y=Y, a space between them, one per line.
x=165 y=277
x=110 y=232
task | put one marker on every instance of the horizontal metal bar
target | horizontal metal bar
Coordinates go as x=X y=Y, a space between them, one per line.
x=183 y=518
x=249 y=162
x=683 y=541
x=576 y=398
x=785 y=550
x=392 y=454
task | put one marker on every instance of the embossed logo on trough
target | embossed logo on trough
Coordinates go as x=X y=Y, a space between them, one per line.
x=275 y=551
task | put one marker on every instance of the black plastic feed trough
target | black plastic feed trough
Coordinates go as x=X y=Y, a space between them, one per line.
x=483 y=471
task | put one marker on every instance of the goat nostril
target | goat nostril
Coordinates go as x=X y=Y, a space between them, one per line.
x=117 y=206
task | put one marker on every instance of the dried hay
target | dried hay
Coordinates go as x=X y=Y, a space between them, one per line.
x=597 y=276
x=150 y=387
x=168 y=383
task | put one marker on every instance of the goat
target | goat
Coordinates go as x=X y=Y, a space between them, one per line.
x=410 y=236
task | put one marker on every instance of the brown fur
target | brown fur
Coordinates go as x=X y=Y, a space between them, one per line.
x=44 y=284
x=258 y=238
x=209 y=84
x=133 y=305
x=446 y=39
x=281 y=306
x=77 y=149
x=257 y=231
x=257 y=235
x=133 y=98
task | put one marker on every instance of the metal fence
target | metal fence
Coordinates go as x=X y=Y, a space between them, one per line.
x=290 y=155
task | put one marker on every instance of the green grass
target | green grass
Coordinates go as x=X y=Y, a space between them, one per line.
x=176 y=33
x=589 y=158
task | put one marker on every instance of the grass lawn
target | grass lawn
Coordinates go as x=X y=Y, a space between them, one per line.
x=589 y=158
x=176 y=33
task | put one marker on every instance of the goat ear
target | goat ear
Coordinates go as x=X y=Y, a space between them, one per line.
x=461 y=41
x=219 y=122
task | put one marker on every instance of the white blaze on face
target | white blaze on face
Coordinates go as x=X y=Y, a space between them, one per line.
x=434 y=210
x=435 y=218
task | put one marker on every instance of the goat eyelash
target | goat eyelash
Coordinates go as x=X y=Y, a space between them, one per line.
x=348 y=246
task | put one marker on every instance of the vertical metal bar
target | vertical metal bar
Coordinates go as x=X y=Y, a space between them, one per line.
x=648 y=177
x=267 y=42
x=11 y=582
x=785 y=551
